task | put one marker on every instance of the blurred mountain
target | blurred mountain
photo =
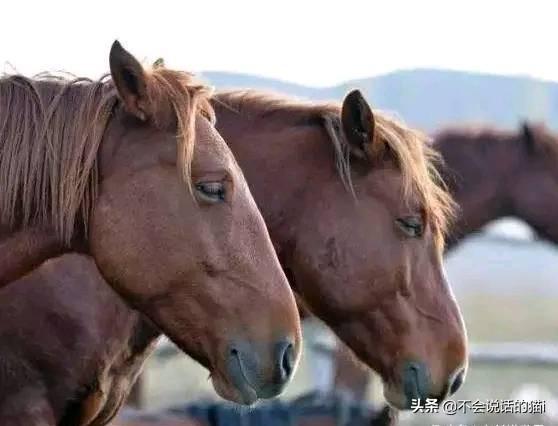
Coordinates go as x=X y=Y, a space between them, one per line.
x=429 y=98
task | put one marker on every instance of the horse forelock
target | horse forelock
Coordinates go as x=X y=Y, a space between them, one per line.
x=187 y=97
x=51 y=128
x=415 y=158
x=417 y=161
x=419 y=164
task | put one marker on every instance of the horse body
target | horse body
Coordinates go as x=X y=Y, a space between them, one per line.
x=369 y=267
x=343 y=190
x=96 y=346
x=495 y=173
x=491 y=173
x=131 y=171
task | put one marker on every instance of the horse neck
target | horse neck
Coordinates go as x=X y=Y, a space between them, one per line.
x=280 y=160
x=25 y=250
x=534 y=193
x=478 y=170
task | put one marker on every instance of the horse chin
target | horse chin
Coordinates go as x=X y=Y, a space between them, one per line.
x=395 y=397
x=243 y=396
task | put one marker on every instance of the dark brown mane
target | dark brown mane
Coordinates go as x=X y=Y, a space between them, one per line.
x=476 y=134
x=542 y=140
x=51 y=128
x=536 y=138
x=261 y=104
x=416 y=159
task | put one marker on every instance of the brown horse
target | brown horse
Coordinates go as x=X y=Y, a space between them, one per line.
x=58 y=379
x=69 y=352
x=492 y=174
x=368 y=263
x=110 y=168
x=357 y=214
x=496 y=173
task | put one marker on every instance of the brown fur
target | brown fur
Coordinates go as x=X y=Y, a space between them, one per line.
x=25 y=250
x=417 y=161
x=492 y=173
x=195 y=263
x=383 y=293
x=96 y=344
x=330 y=206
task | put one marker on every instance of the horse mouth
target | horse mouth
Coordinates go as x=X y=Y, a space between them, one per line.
x=395 y=396
x=235 y=387
x=243 y=395
x=241 y=382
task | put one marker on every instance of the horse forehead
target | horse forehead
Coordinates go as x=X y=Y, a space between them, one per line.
x=209 y=145
x=206 y=132
x=386 y=184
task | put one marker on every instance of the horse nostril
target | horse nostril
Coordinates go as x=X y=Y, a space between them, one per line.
x=288 y=360
x=416 y=382
x=260 y=370
x=457 y=382
x=285 y=362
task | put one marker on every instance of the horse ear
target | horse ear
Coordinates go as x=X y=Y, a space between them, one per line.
x=159 y=63
x=130 y=81
x=528 y=137
x=358 y=123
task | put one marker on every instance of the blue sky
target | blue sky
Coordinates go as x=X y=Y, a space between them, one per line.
x=310 y=42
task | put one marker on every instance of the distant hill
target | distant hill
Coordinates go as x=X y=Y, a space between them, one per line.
x=430 y=99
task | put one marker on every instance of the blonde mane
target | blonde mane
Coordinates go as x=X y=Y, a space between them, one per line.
x=51 y=128
x=417 y=161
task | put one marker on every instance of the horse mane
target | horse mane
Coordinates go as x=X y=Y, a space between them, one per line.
x=414 y=155
x=474 y=134
x=536 y=138
x=51 y=128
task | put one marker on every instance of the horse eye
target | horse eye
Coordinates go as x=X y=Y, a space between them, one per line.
x=213 y=192
x=412 y=226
